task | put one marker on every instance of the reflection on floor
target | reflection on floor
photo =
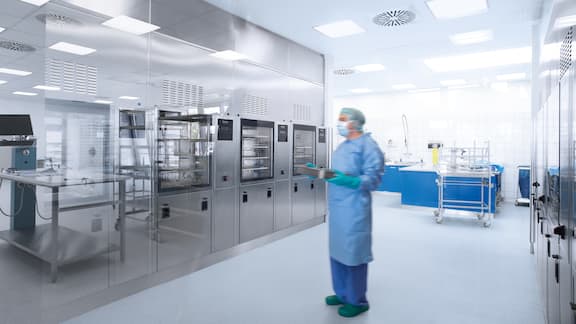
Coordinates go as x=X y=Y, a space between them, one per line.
x=456 y=272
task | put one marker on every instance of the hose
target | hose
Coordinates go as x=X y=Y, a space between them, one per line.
x=19 y=208
x=405 y=126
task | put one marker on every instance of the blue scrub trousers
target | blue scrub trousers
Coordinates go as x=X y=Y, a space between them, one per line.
x=350 y=282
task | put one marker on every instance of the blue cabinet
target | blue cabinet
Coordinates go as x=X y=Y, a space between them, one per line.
x=391 y=179
x=419 y=188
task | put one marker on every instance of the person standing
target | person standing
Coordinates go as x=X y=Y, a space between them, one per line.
x=358 y=164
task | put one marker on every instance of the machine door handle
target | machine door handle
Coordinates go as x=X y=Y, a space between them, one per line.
x=542 y=199
x=311 y=185
x=560 y=231
x=296 y=187
x=244 y=197
x=548 y=248
x=536 y=184
x=556 y=268
x=269 y=193
x=204 y=205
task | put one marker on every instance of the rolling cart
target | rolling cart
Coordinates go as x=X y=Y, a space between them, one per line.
x=467 y=184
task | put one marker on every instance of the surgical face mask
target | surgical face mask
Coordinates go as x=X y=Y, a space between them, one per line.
x=343 y=128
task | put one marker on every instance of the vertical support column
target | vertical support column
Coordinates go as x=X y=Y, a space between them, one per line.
x=55 y=243
x=122 y=217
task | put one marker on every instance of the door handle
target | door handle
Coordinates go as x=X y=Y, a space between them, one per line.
x=204 y=205
x=295 y=187
x=548 y=247
x=311 y=185
x=244 y=197
x=269 y=193
x=556 y=268
x=560 y=231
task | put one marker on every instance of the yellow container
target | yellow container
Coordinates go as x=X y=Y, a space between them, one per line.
x=435 y=156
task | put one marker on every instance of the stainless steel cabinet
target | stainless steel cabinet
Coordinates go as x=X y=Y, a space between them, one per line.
x=282 y=206
x=256 y=211
x=304 y=146
x=257 y=150
x=322 y=162
x=225 y=220
x=303 y=200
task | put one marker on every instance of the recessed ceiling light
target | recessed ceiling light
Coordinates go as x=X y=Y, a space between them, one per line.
x=369 y=67
x=475 y=37
x=449 y=9
x=14 y=72
x=72 y=48
x=449 y=83
x=511 y=76
x=499 y=86
x=130 y=25
x=481 y=60
x=425 y=90
x=129 y=98
x=564 y=22
x=466 y=86
x=229 y=55
x=104 y=102
x=36 y=2
x=47 y=88
x=3 y=82
x=404 y=86
x=341 y=28
x=2 y=29
x=28 y=94
x=360 y=90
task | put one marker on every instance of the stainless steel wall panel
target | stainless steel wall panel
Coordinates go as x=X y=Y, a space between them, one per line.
x=282 y=205
x=320 y=207
x=256 y=211
x=226 y=156
x=225 y=214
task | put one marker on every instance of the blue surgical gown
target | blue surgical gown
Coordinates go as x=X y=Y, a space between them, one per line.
x=350 y=210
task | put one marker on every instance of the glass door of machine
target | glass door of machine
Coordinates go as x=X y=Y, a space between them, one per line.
x=304 y=150
x=257 y=148
x=184 y=151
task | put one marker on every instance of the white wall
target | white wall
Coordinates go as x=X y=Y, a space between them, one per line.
x=455 y=117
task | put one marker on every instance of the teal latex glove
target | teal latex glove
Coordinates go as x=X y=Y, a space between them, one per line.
x=311 y=165
x=341 y=179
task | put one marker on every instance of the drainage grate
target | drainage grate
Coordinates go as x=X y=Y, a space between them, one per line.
x=181 y=94
x=255 y=105
x=56 y=18
x=302 y=112
x=566 y=53
x=72 y=77
x=394 y=18
x=15 y=46
x=344 y=71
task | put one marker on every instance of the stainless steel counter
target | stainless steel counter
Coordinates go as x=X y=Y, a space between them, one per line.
x=56 y=244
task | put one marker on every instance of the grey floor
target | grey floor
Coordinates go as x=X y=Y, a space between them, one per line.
x=456 y=272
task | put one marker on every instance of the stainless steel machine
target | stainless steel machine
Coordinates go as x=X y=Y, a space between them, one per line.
x=303 y=188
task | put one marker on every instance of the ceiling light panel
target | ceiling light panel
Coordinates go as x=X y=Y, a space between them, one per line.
x=404 y=86
x=449 y=83
x=425 y=90
x=466 y=86
x=27 y=94
x=361 y=90
x=339 y=29
x=2 y=29
x=565 y=22
x=369 y=67
x=475 y=37
x=229 y=55
x=72 y=48
x=47 y=88
x=481 y=60
x=499 y=86
x=129 y=98
x=36 y=2
x=14 y=72
x=511 y=77
x=104 y=102
x=3 y=82
x=450 y=9
x=130 y=25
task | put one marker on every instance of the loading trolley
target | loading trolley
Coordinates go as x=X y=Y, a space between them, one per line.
x=466 y=184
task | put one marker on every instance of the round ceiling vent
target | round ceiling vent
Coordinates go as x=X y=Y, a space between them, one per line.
x=15 y=46
x=344 y=71
x=56 y=18
x=394 y=18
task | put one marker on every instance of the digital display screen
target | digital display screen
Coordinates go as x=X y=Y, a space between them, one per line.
x=11 y=125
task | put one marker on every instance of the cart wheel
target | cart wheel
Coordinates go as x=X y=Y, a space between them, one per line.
x=479 y=216
x=436 y=213
x=488 y=222
x=516 y=203
x=439 y=220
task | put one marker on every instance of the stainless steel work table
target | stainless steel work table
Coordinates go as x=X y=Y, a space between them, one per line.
x=59 y=245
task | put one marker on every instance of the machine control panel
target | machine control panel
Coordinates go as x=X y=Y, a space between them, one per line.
x=321 y=135
x=282 y=133
x=225 y=129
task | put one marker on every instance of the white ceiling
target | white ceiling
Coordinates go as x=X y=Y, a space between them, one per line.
x=401 y=49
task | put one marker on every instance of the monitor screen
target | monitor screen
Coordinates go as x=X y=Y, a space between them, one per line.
x=15 y=125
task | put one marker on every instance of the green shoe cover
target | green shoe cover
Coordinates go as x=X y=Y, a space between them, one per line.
x=351 y=310
x=333 y=300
